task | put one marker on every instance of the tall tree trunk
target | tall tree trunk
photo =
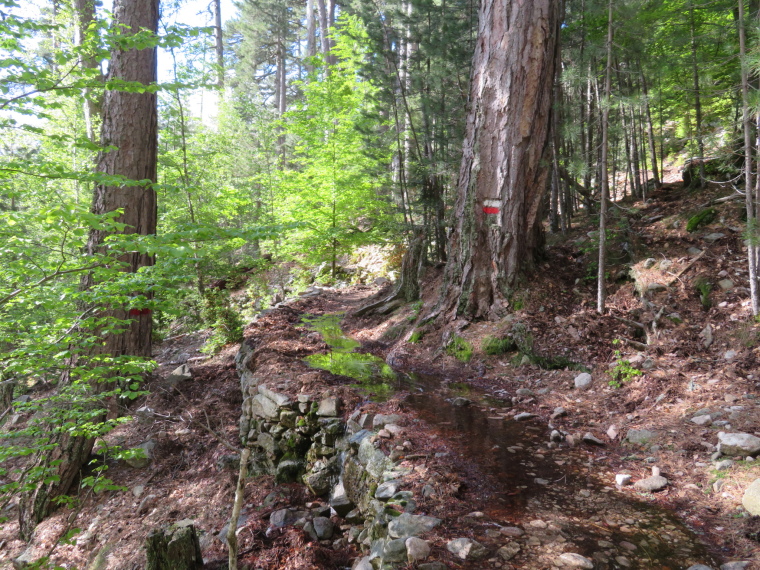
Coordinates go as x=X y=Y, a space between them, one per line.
x=502 y=179
x=219 y=43
x=748 y=185
x=601 y=295
x=311 y=33
x=650 y=129
x=326 y=22
x=129 y=124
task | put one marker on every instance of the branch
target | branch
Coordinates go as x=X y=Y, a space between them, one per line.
x=45 y=279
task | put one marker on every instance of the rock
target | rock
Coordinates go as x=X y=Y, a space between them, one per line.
x=395 y=551
x=508 y=551
x=340 y=502
x=460 y=402
x=723 y=465
x=751 y=498
x=282 y=517
x=524 y=416
x=329 y=407
x=180 y=374
x=406 y=525
x=730 y=354
x=640 y=436
x=704 y=420
x=144 y=455
x=699 y=567
x=229 y=461
x=693 y=251
x=556 y=436
x=25 y=559
x=559 y=412
x=655 y=287
x=323 y=527
x=726 y=284
x=467 y=549
x=622 y=479
x=590 y=438
x=416 y=549
x=573 y=560
x=707 y=336
x=738 y=444
x=432 y=566
x=713 y=237
x=362 y=564
x=651 y=484
x=379 y=421
x=513 y=531
x=177 y=548
x=613 y=432
x=147 y=504
x=386 y=490
x=583 y=381
x=263 y=407
x=649 y=262
x=734 y=565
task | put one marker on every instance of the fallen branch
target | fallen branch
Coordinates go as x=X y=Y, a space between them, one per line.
x=236 y=508
x=685 y=269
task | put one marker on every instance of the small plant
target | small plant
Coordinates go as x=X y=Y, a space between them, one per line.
x=494 y=346
x=225 y=321
x=416 y=308
x=623 y=371
x=416 y=336
x=704 y=288
x=459 y=348
x=701 y=219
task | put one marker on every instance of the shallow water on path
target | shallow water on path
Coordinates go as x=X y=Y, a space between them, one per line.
x=554 y=494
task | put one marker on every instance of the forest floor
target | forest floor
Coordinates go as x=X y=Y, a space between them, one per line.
x=489 y=473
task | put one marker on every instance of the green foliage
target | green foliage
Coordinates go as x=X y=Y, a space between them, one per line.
x=459 y=348
x=700 y=219
x=623 y=371
x=417 y=336
x=704 y=288
x=226 y=323
x=493 y=345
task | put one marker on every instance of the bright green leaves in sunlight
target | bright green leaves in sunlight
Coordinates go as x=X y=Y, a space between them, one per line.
x=336 y=187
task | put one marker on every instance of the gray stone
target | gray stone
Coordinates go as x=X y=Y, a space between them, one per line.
x=649 y=262
x=432 y=566
x=180 y=374
x=460 y=402
x=147 y=504
x=707 y=336
x=726 y=284
x=640 y=436
x=723 y=465
x=556 y=436
x=508 y=551
x=730 y=354
x=751 y=498
x=651 y=484
x=386 y=490
x=734 y=565
x=379 y=421
x=573 y=560
x=693 y=251
x=738 y=444
x=703 y=420
x=467 y=549
x=416 y=549
x=363 y=564
x=699 y=567
x=323 y=527
x=655 y=287
x=340 y=502
x=622 y=479
x=583 y=381
x=713 y=237
x=263 y=407
x=25 y=559
x=513 y=531
x=590 y=438
x=329 y=407
x=524 y=416
x=406 y=525
x=288 y=471
x=283 y=517
x=394 y=551
x=559 y=412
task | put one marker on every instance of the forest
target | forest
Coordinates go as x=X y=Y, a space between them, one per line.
x=502 y=193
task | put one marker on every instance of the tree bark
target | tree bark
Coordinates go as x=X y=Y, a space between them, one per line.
x=219 y=44
x=130 y=124
x=601 y=296
x=502 y=178
x=85 y=17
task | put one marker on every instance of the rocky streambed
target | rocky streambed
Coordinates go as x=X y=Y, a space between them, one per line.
x=542 y=499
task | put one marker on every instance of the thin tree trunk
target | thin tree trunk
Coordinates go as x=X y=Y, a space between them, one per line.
x=748 y=185
x=650 y=129
x=219 y=43
x=85 y=17
x=601 y=294
x=311 y=34
x=697 y=99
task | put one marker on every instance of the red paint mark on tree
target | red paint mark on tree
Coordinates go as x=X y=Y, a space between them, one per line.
x=490 y=210
x=134 y=312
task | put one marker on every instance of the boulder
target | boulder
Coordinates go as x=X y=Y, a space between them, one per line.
x=467 y=549
x=573 y=560
x=416 y=549
x=180 y=374
x=751 y=498
x=174 y=549
x=640 y=436
x=407 y=525
x=738 y=444
x=583 y=381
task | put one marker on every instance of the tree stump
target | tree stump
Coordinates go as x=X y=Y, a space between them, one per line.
x=176 y=548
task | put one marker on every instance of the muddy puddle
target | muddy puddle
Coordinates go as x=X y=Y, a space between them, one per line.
x=556 y=495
